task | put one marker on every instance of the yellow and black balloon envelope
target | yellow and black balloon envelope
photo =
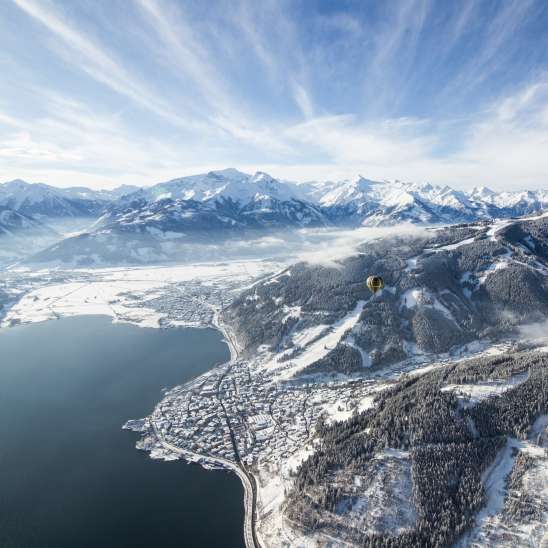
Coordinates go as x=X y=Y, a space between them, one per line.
x=375 y=283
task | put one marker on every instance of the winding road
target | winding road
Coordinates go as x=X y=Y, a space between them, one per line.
x=247 y=479
x=250 y=494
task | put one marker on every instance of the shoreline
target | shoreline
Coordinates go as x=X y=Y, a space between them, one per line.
x=248 y=480
x=206 y=461
x=135 y=368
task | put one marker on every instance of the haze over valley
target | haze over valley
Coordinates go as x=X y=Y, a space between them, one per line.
x=187 y=218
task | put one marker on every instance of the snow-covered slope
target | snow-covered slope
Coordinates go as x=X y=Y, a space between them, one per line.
x=227 y=184
x=218 y=200
x=521 y=202
x=444 y=288
x=13 y=223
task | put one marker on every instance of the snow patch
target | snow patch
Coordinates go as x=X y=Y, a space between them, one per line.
x=319 y=348
x=471 y=394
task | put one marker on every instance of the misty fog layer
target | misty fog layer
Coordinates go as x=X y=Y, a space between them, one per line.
x=315 y=245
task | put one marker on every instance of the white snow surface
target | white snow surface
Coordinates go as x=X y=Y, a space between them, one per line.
x=491 y=528
x=340 y=411
x=471 y=394
x=420 y=297
x=226 y=184
x=451 y=247
x=98 y=291
x=320 y=347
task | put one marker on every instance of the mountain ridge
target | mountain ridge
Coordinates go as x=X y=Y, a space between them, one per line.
x=43 y=201
x=360 y=198
x=156 y=221
x=444 y=289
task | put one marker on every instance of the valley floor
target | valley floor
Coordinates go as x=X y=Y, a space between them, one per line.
x=240 y=417
x=161 y=296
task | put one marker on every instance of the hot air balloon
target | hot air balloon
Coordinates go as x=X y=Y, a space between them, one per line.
x=375 y=283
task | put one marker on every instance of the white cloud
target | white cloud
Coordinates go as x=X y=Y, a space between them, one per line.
x=326 y=247
x=505 y=148
x=317 y=246
x=184 y=53
x=72 y=143
x=535 y=332
x=95 y=61
x=210 y=127
x=347 y=142
x=7 y=120
x=499 y=33
x=303 y=100
x=21 y=146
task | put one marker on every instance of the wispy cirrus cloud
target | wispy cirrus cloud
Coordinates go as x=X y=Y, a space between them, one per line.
x=418 y=90
x=191 y=61
x=498 y=44
x=7 y=120
x=96 y=62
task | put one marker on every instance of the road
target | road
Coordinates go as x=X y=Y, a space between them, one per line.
x=250 y=487
x=247 y=479
x=250 y=496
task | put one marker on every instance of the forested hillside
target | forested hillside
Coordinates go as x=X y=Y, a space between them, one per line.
x=443 y=289
x=446 y=442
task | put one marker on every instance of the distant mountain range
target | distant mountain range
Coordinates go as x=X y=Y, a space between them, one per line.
x=260 y=200
x=373 y=203
x=13 y=222
x=20 y=234
x=46 y=202
x=150 y=224
x=219 y=200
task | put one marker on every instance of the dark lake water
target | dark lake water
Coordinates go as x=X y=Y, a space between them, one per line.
x=69 y=476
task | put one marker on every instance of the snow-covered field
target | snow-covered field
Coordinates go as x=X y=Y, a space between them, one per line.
x=78 y=298
x=116 y=291
x=339 y=411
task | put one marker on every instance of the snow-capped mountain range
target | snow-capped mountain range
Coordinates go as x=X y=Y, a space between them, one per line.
x=44 y=202
x=218 y=200
x=373 y=203
x=13 y=222
x=21 y=234
x=227 y=184
x=359 y=202
x=243 y=196
x=227 y=202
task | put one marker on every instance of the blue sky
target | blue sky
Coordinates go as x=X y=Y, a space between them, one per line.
x=103 y=92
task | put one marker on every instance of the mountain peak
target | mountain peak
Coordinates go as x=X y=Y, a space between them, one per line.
x=482 y=191
x=365 y=181
x=17 y=183
x=228 y=173
x=261 y=176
